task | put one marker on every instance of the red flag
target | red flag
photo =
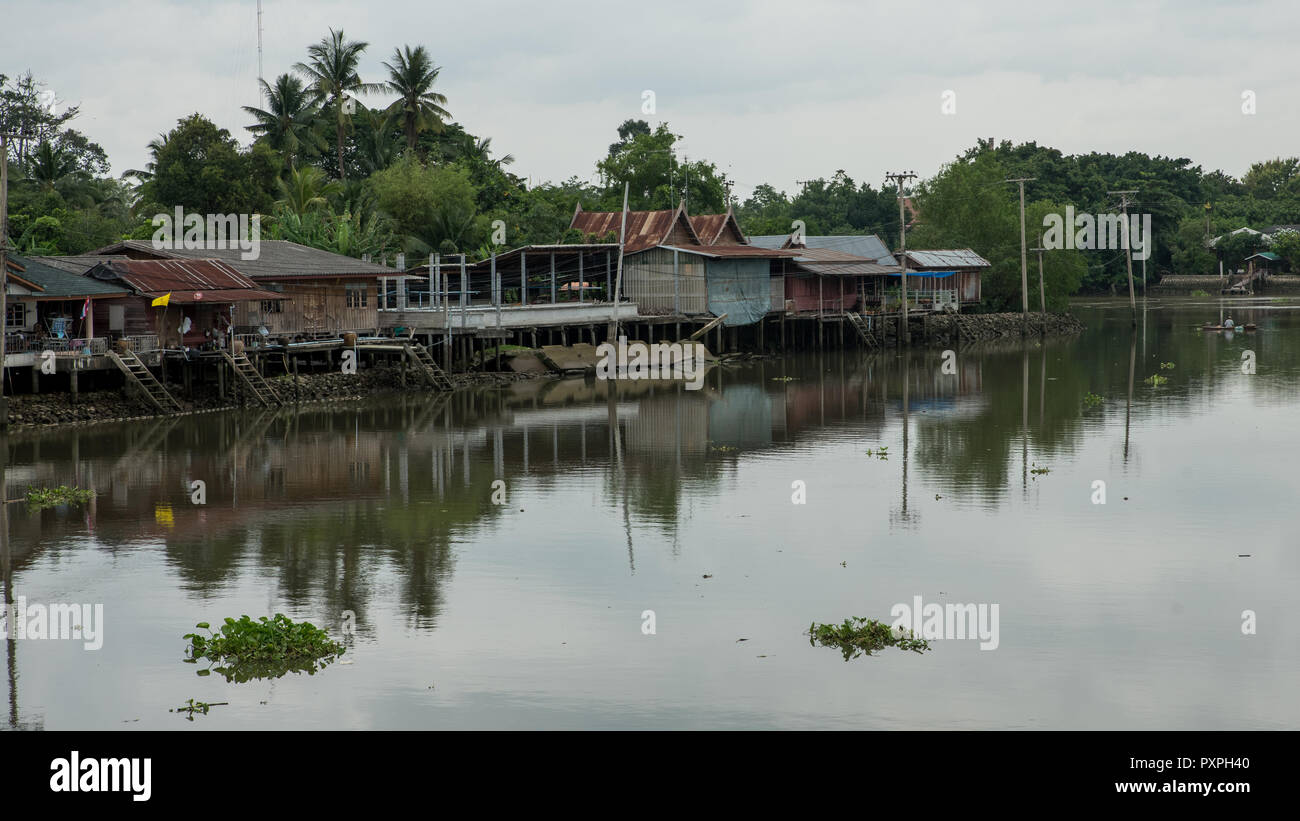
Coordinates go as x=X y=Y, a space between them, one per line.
x=85 y=308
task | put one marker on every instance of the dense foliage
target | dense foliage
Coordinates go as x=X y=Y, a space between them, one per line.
x=326 y=169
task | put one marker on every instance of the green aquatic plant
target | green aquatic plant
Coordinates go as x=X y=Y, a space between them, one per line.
x=859 y=636
x=881 y=452
x=1040 y=471
x=1156 y=380
x=200 y=707
x=1200 y=292
x=1092 y=400
x=40 y=498
x=265 y=648
x=1166 y=366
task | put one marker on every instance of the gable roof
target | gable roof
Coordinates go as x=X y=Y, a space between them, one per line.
x=710 y=228
x=951 y=258
x=867 y=246
x=645 y=229
x=51 y=283
x=78 y=265
x=277 y=259
x=188 y=280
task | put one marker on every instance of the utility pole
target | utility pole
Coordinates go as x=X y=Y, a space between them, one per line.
x=1024 y=260
x=4 y=275
x=1128 y=251
x=261 y=96
x=612 y=335
x=899 y=177
x=1042 y=291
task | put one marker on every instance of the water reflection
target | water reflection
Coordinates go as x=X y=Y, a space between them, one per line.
x=367 y=508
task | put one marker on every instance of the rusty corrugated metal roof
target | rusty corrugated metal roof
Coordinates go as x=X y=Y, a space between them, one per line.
x=189 y=280
x=645 y=229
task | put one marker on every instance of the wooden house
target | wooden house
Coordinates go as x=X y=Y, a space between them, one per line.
x=203 y=299
x=316 y=293
x=945 y=276
x=830 y=274
x=51 y=309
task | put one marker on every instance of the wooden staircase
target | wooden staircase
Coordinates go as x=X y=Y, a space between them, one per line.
x=860 y=325
x=247 y=372
x=426 y=366
x=139 y=376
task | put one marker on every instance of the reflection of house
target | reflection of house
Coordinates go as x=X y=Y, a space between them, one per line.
x=51 y=309
x=202 y=298
x=317 y=293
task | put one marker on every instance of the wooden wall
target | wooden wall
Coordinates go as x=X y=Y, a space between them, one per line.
x=312 y=308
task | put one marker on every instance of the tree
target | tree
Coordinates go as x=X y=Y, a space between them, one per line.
x=288 y=123
x=304 y=190
x=655 y=178
x=331 y=70
x=432 y=206
x=52 y=169
x=411 y=76
x=1272 y=178
x=1286 y=244
x=200 y=167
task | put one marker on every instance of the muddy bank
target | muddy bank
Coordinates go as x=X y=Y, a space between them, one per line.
x=36 y=410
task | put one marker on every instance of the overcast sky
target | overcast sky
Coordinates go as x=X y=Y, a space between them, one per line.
x=769 y=91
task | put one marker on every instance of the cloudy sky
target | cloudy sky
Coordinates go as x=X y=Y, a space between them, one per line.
x=769 y=91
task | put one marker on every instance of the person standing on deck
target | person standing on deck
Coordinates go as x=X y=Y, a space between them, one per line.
x=1228 y=323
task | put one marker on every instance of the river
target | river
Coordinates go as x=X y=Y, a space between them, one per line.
x=564 y=554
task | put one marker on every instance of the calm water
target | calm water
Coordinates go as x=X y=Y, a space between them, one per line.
x=529 y=614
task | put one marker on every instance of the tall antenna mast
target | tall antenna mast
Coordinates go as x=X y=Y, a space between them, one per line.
x=259 y=52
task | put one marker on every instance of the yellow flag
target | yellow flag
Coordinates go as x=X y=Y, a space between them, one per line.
x=162 y=300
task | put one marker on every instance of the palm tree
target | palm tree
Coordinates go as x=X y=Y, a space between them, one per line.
x=143 y=175
x=288 y=122
x=305 y=190
x=411 y=77
x=377 y=147
x=331 y=71
x=53 y=170
x=480 y=152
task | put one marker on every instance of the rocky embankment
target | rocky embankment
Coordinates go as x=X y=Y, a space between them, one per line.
x=953 y=329
x=29 y=410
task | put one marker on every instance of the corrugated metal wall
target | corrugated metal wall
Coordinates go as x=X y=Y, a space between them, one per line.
x=648 y=281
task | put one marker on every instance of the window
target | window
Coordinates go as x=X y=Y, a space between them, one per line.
x=16 y=315
x=273 y=306
x=357 y=294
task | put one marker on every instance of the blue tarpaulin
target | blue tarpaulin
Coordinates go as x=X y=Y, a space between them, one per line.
x=739 y=288
x=926 y=274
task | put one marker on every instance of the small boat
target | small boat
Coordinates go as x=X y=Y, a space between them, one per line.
x=1250 y=326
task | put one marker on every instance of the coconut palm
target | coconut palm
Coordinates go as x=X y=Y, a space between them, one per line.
x=54 y=170
x=479 y=151
x=143 y=175
x=411 y=76
x=331 y=71
x=288 y=122
x=304 y=190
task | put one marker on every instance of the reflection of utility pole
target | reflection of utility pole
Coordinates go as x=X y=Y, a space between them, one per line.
x=899 y=177
x=1128 y=405
x=1024 y=261
x=1128 y=251
x=1042 y=291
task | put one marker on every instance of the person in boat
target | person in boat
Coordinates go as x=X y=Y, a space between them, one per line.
x=1228 y=323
